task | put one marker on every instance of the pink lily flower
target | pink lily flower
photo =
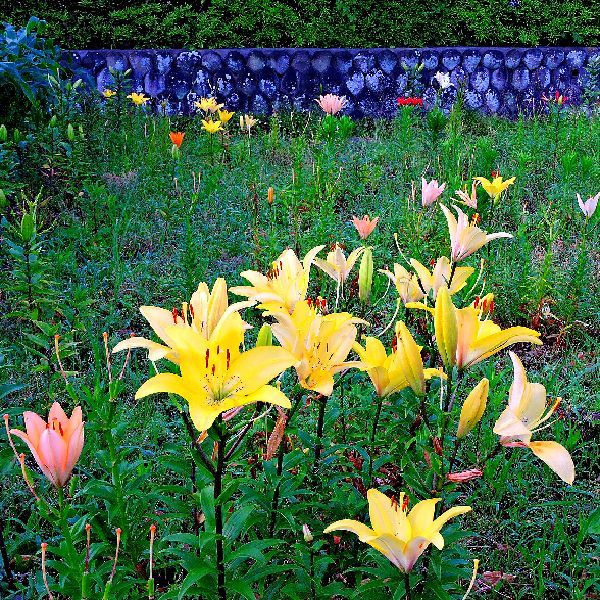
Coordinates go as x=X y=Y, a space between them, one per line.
x=431 y=191
x=56 y=445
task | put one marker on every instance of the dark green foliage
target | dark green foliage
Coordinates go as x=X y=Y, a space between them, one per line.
x=26 y=62
x=296 y=23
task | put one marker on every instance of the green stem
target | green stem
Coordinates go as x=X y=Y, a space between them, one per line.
x=63 y=509
x=407 y=593
x=320 y=422
x=218 y=488
x=372 y=438
x=280 y=454
x=116 y=476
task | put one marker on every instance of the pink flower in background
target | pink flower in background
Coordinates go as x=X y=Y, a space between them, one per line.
x=365 y=226
x=55 y=445
x=431 y=191
x=332 y=104
x=589 y=206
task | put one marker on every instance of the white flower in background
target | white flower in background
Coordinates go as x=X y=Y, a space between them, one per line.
x=443 y=79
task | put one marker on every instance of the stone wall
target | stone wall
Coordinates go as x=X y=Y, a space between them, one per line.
x=499 y=80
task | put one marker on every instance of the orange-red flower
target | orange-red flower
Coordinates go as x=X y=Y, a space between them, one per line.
x=177 y=137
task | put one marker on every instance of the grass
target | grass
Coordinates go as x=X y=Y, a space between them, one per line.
x=120 y=223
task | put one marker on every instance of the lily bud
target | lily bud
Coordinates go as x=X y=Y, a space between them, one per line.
x=365 y=276
x=175 y=152
x=446 y=327
x=3 y=134
x=27 y=227
x=308 y=536
x=270 y=195
x=3 y=200
x=473 y=408
x=265 y=336
x=70 y=132
x=53 y=121
x=17 y=136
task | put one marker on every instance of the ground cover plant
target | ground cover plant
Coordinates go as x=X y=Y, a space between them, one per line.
x=221 y=380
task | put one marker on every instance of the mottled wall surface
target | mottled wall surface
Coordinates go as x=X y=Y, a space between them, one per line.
x=499 y=80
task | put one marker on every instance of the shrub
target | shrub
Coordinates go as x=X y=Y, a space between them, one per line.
x=297 y=23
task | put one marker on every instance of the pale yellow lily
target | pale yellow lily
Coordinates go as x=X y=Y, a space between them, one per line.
x=399 y=535
x=285 y=284
x=432 y=281
x=463 y=338
x=205 y=311
x=337 y=266
x=495 y=187
x=407 y=284
x=470 y=201
x=320 y=343
x=208 y=105
x=401 y=369
x=216 y=376
x=465 y=237
x=525 y=413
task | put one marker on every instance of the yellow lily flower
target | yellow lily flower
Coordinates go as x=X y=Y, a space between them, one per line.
x=495 y=187
x=208 y=105
x=473 y=408
x=107 y=93
x=401 y=369
x=320 y=343
x=138 y=99
x=337 y=266
x=524 y=415
x=205 y=311
x=216 y=376
x=399 y=535
x=285 y=284
x=212 y=126
x=465 y=237
x=432 y=281
x=407 y=284
x=463 y=338
x=225 y=115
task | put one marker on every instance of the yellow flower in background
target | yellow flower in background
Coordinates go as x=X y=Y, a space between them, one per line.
x=401 y=369
x=208 y=105
x=473 y=408
x=208 y=314
x=464 y=338
x=407 y=284
x=247 y=122
x=495 y=187
x=225 y=115
x=138 y=99
x=399 y=535
x=107 y=93
x=337 y=266
x=432 y=281
x=212 y=126
x=465 y=237
x=320 y=343
x=526 y=411
x=285 y=283
x=215 y=375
